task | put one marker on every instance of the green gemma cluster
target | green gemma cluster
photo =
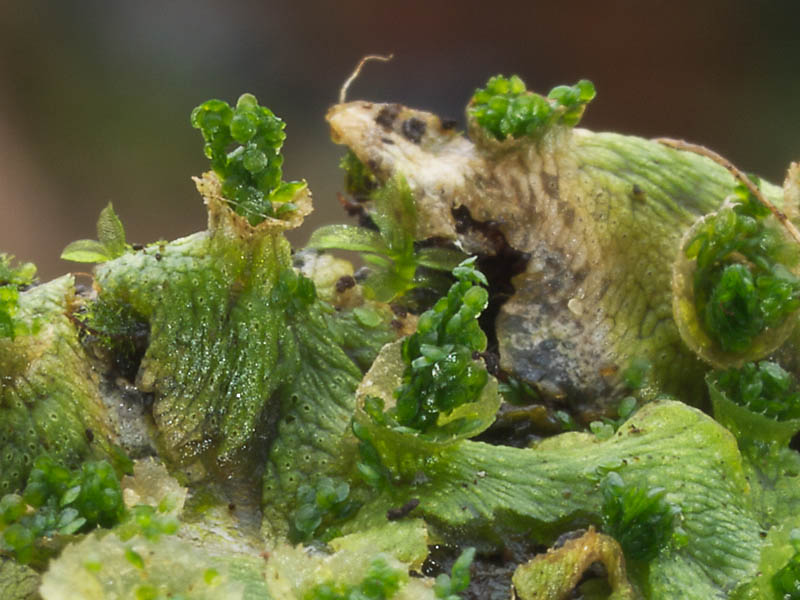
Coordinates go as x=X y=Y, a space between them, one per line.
x=742 y=282
x=322 y=505
x=505 y=108
x=58 y=501
x=381 y=582
x=243 y=144
x=763 y=388
x=12 y=279
x=440 y=372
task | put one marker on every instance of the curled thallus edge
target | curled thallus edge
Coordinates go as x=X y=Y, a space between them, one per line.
x=739 y=175
x=683 y=298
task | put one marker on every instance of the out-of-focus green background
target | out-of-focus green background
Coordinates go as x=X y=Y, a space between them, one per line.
x=95 y=95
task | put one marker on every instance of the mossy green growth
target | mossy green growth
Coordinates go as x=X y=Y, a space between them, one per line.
x=640 y=519
x=743 y=282
x=505 y=108
x=243 y=144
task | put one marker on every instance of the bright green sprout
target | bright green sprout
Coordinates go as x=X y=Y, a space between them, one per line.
x=398 y=266
x=243 y=144
x=786 y=582
x=763 y=388
x=448 y=587
x=323 y=505
x=640 y=519
x=635 y=376
x=59 y=501
x=607 y=427
x=742 y=285
x=381 y=582
x=441 y=372
x=110 y=242
x=506 y=109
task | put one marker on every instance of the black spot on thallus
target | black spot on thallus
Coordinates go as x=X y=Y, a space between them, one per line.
x=387 y=115
x=413 y=129
x=637 y=193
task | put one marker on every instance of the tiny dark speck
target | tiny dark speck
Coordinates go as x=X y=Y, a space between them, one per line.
x=414 y=129
x=393 y=514
x=158 y=256
x=89 y=435
x=386 y=140
x=345 y=283
x=638 y=193
x=448 y=124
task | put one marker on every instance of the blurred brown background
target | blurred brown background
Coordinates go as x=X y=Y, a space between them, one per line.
x=95 y=95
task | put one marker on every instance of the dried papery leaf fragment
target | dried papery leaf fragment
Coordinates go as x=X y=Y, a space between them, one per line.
x=554 y=575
